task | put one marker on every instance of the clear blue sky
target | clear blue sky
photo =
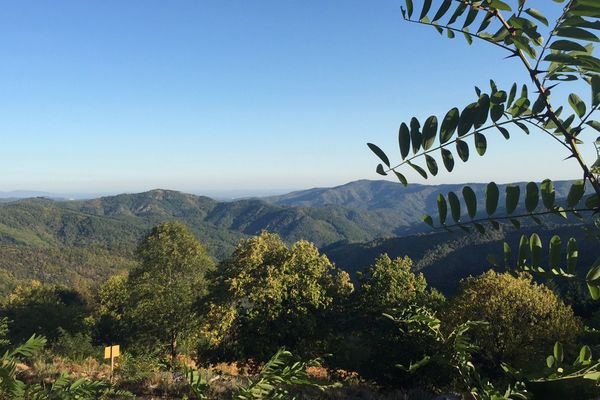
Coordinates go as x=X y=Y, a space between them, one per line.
x=209 y=96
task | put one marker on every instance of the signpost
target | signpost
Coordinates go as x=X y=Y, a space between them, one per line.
x=112 y=352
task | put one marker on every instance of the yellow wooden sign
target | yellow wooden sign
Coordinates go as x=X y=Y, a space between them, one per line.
x=112 y=351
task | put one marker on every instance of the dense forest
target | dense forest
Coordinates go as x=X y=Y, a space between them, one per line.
x=178 y=311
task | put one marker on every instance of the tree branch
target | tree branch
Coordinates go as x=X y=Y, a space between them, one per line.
x=528 y=117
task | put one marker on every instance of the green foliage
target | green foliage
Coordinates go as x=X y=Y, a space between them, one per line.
x=135 y=369
x=67 y=388
x=268 y=295
x=366 y=342
x=565 y=55
x=277 y=376
x=454 y=350
x=10 y=386
x=523 y=318
x=165 y=285
x=110 y=319
x=390 y=284
x=76 y=346
x=43 y=309
x=198 y=386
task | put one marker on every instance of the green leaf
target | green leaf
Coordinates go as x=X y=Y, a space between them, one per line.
x=462 y=148
x=548 y=194
x=482 y=110
x=558 y=352
x=511 y=95
x=566 y=45
x=431 y=164
x=448 y=160
x=520 y=107
x=512 y=198
x=595 y=125
x=492 y=194
x=554 y=252
x=429 y=132
x=531 y=196
x=409 y=8
x=496 y=111
x=507 y=255
x=487 y=20
x=585 y=354
x=550 y=361
x=575 y=193
x=420 y=170
x=504 y=132
x=468 y=36
x=537 y=15
x=470 y=201
x=480 y=143
x=375 y=149
x=572 y=255
x=449 y=125
x=577 y=104
x=442 y=10
x=467 y=119
x=524 y=251
x=594 y=291
x=457 y=13
x=499 y=5
x=470 y=17
x=442 y=209
x=454 y=206
x=576 y=33
x=404 y=140
x=593 y=274
x=425 y=10
x=401 y=178
x=428 y=220
x=535 y=244
x=595 y=81
x=415 y=135
x=380 y=170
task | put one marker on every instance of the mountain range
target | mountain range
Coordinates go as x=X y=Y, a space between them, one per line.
x=84 y=241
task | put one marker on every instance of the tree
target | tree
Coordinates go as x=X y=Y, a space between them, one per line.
x=524 y=319
x=564 y=56
x=42 y=310
x=391 y=284
x=165 y=285
x=561 y=54
x=110 y=312
x=364 y=339
x=268 y=295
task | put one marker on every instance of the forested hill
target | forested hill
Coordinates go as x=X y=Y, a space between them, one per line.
x=70 y=241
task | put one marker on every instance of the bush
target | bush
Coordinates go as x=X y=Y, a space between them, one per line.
x=136 y=369
x=367 y=342
x=76 y=346
x=42 y=310
x=524 y=318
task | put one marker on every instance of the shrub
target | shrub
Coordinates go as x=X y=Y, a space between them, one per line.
x=76 y=346
x=524 y=318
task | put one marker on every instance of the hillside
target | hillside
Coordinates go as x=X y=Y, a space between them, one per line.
x=446 y=258
x=87 y=240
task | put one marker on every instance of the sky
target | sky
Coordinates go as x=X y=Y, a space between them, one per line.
x=234 y=96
